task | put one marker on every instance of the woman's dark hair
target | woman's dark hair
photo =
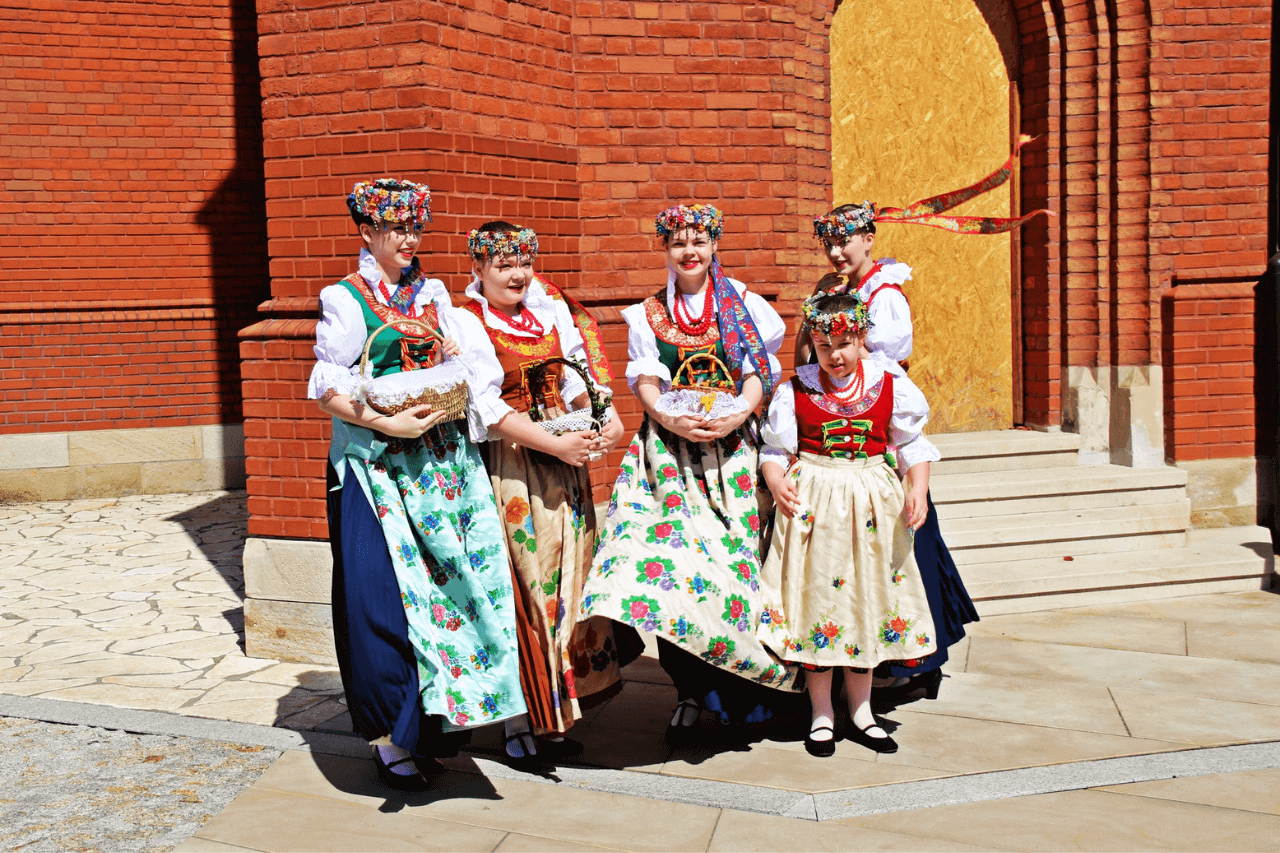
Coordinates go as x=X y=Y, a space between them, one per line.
x=834 y=303
x=498 y=225
x=845 y=208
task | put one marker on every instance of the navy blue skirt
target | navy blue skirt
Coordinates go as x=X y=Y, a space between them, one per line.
x=371 y=633
x=949 y=602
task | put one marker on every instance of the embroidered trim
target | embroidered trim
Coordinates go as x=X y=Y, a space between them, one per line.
x=389 y=315
x=665 y=329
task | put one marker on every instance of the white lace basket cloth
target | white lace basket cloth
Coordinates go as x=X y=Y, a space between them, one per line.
x=442 y=386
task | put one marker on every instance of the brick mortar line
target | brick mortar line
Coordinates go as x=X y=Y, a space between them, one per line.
x=876 y=799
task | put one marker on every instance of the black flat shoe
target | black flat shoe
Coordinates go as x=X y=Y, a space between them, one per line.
x=883 y=745
x=678 y=730
x=399 y=781
x=820 y=748
x=527 y=745
x=428 y=766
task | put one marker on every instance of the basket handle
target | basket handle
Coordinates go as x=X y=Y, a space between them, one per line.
x=364 y=359
x=535 y=374
x=715 y=362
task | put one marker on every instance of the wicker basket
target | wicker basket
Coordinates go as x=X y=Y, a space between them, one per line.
x=592 y=417
x=443 y=386
x=686 y=396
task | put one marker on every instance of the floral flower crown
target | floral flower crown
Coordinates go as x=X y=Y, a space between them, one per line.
x=702 y=217
x=388 y=201
x=856 y=319
x=498 y=244
x=846 y=224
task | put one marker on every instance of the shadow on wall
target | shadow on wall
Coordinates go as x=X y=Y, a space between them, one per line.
x=236 y=220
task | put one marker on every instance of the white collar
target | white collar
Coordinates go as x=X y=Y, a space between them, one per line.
x=891 y=271
x=432 y=289
x=810 y=375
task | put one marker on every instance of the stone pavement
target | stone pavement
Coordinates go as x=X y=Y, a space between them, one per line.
x=1054 y=730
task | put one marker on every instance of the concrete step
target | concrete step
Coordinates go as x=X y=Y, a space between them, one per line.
x=1028 y=536
x=987 y=493
x=1212 y=560
x=1003 y=450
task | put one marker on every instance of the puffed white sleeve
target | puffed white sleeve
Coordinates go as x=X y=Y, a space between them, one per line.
x=574 y=349
x=778 y=435
x=772 y=330
x=890 y=336
x=906 y=427
x=485 y=405
x=642 y=347
x=340 y=337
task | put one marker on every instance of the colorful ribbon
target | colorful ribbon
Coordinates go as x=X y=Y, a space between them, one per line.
x=738 y=332
x=925 y=211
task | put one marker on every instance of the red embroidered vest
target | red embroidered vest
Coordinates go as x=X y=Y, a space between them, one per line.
x=859 y=430
x=517 y=354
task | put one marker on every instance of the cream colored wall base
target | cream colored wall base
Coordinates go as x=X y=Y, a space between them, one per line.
x=59 y=466
x=1223 y=492
x=287 y=613
x=1118 y=413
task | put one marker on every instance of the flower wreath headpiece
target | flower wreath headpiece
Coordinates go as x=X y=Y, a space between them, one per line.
x=702 y=217
x=845 y=224
x=497 y=244
x=925 y=212
x=855 y=319
x=388 y=201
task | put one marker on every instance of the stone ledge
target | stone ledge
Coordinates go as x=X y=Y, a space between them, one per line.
x=112 y=463
x=1223 y=492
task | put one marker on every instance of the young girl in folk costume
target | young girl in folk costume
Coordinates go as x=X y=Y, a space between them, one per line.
x=541 y=480
x=841 y=563
x=847 y=235
x=423 y=613
x=679 y=555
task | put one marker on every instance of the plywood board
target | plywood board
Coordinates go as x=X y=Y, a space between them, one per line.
x=920 y=105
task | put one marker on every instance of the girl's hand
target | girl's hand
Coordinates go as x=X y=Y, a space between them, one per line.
x=574 y=448
x=915 y=508
x=691 y=427
x=727 y=424
x=411 y=423
x=783 y=489
x=612 y=434
x=450 y=347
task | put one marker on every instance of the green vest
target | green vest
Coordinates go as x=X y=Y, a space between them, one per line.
x=384 y=355
x=672 y=356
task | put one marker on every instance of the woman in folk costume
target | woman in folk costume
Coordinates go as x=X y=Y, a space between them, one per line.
x=847 y=234
x=541 y=480
x=423 y=612
x=679 y=555
x=848 y=591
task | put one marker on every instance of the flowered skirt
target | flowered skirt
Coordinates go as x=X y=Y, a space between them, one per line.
x=435 y=506
x=848 y=590
x=550 y=526
x=678 y=555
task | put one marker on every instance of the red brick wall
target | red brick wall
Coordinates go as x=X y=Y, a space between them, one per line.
x=132 y=229
x=1208 y=358
x=725 y=104
x=1154 y=118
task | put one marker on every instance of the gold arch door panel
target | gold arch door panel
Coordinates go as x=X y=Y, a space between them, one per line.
x=922 y=103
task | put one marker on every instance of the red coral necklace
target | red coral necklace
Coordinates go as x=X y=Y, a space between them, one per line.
x=522 y=322
x=851 y=393
x=686 y=323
